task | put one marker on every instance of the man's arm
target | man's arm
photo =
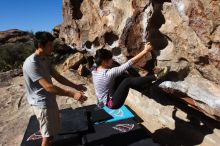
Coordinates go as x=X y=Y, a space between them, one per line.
x=66 y=82
x=59 y=91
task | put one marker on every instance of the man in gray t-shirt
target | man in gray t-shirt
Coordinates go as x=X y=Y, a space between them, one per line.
x=41 y=93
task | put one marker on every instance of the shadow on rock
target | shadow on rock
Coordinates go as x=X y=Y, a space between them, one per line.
x=190 y=132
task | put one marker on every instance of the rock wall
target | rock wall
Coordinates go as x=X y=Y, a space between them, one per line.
x=184 y=34
x=116 y=25
x=192 y=52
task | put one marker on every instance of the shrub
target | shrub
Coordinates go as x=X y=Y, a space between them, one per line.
x=13 y=55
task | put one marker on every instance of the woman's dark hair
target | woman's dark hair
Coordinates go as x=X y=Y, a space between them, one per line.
x=101 y=55
x=42 y=38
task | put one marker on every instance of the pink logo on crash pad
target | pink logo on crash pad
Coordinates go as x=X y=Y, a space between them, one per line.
x=123 y=127
x=35 y=136
x=118 y=113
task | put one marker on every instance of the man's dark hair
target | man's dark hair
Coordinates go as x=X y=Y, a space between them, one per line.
x=42 y=38
x=101 y=55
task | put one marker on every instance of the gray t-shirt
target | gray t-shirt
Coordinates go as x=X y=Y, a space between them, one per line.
x=35 y=68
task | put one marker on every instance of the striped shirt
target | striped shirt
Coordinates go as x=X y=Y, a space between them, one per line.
x=104 y=81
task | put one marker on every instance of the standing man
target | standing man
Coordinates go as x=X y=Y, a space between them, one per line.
x=41 y=93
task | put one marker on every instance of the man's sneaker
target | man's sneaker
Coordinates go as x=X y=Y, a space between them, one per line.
x=163 y=72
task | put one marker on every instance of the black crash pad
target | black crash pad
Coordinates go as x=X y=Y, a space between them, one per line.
x=73 y=121
x=120 y=133
x=96 y=114
x=60 y=140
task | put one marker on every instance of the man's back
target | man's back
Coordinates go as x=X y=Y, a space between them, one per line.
x=35 y=68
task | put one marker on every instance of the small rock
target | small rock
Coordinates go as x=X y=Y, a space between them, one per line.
x=73 y=61
x=82 y=70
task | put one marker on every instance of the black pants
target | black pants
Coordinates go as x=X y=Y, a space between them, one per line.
x=122 y=90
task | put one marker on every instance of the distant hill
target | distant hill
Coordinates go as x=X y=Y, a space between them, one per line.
x=15 y=46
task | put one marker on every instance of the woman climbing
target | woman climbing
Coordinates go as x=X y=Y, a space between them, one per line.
x=104 y=78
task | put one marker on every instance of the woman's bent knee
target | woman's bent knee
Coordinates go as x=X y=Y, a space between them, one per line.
x=127 y=80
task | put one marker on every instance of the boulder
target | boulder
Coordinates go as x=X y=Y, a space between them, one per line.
x=56 y=31
x=204 y=94
x=184 y=35
x=82 y=70
x=171 y=122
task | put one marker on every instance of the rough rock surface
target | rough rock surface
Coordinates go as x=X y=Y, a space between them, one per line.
x=185 y=34
x=73 y=61
x=204 y=18
x=192 y=52
x=173 y=123
x=90 y=25
x=206 y=96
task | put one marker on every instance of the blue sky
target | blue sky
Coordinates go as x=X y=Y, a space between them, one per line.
x=30 y=15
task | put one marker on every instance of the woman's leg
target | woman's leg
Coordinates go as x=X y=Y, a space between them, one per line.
x=121 y=92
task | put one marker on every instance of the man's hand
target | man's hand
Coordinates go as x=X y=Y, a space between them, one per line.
x=80 y=87
x=79 y=96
